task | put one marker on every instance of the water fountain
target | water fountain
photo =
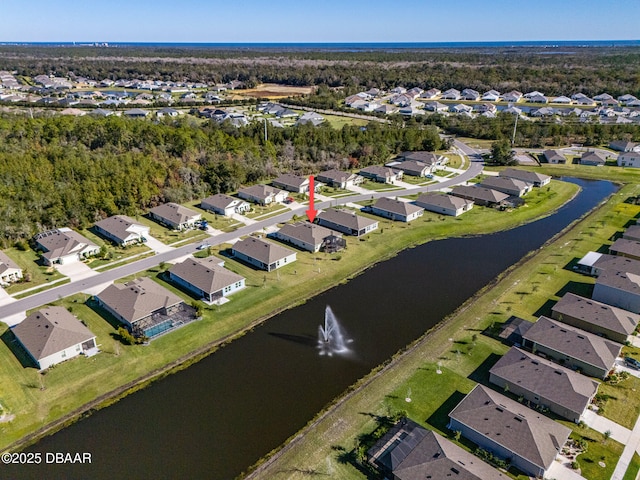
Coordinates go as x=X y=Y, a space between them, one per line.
x=330 y=336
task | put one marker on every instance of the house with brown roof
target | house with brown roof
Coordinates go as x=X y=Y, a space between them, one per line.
x=52 y=335
x=536 y=179
x=509 y=430
x=396 y=210
x=63 y=245
x=262 y=254
x=307 y=236
x=262 y=194
x=293 y=183
x=224 y=205
x=624 y=247
x=339 y=179
x=381 y=174
x=122 y=230
x=619 y=289
x=145 y=307
x=175 y=216
x=409 y=452
x=445 y=204
x=346 y=221
x=9 y=270
x=572 y=347
x=555 y=157
x=480 y=195
x=595 y=317
x=543 y=383
x=508 y=185
x=206 y=278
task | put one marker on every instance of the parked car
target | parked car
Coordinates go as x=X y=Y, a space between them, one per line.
x=203 y=246
x=632 y=362
x=289 y=200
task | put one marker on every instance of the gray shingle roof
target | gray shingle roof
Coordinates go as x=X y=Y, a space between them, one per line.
x=617 y=263
x=220 y=201
x=290 y=180
x=429 y=158
x=524 y=175
x=6 y=263
x=396 y=206
x=310 y=233
x=504 y=182
x=62 y=241
x=346 y=218
x=205 y=273
x=378 y=171
x=628 y=282
x=174 y=213
x=443 y=201
x=335 y=176
x=626 y=247
x=479 y=193
x=552 y=155
x=261 y=250
x=119 y=226
x=260 y=191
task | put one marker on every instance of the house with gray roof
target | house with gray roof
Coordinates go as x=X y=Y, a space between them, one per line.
x=9 y=270
x=307 y=236
x=480 y=195
x=512 y=97
x=381 y=174
x=555 y=157
x=122 y=230
x=593 y=263
x=413 y=168
x=52 y=335
x=543 y=383
x=224 y=204
x=144 y=306
x=619 y=289
x=136 y=113
x=509 y=430
x=428 y=158
x=436 y=107
x=623 y=146
x=624 y=247
x=293 y=183
x=595 y=317
x=206 y=278
x=409 y=452
x=632 y=233
x=175 y=216
x=262 y=254
x=431 y=93
x=312 y=118
x=443 y=203
x=470 y=94
x=572 y=347
x=629 y=159
x=63 y=245
x=396 y=210
x=346 y=221
x=536 y=179
x=451 y=94
x=508 y=185
x=338 y=179
x=594 y=159
x=262 y=194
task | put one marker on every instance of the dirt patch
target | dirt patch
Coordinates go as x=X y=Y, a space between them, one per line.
x=274 y=90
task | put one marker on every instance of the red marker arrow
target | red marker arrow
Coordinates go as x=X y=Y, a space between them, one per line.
x=311 y=213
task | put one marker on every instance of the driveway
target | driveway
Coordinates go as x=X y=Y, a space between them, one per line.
x=76 y=270
x=156 y=245
x=602 y=424
x=560 y=471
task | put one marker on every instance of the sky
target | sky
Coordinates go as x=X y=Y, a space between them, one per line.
x=323 y=21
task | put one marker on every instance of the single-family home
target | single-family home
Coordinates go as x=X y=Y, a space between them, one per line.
x=312 y=118
x=512 y=97
x=122 y=230
x=144 y=307
x=63 y=245
x=543 y=383
x=167 y=112
x=470 y=94
x=536 y=179
x=537 y=99
x=451 y=94
x=572 y=347
x=508 y=185
x=52 y=335
x=479 y=195
x=429 y=158
x=402 y=100
x=461 y=108
x=632 y=233
x=584 y=100
x=414 y=92
x=535 y=93
x=293 y=183
x=346 y=222
x=206 y=278
x=562 y=100
x=543 y=112
x=308 y=236
x=436 y=107
x=430 y=94
x=445 y=204
x=136 y=113
x=619 y=289
x=594 y=263
x=409 y=452
x=175 y=216
x=491 y=96
x=555 y=157
x=486 y=108
x=595 y=317
x=624 y=247
x=624 y=146
x=262 y=194
x=602 y=97
x=396 y=210
x=339 y=179
x=399 y=90
x=9 y=270
x=386 y=109
x=224 y=204
x=413 y=168
x=629 y=159
x=509 y=430
x=593 y=158
x=262 y=254
x=381 y=174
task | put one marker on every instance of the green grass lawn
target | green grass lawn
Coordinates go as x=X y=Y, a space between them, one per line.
x=219 y=222
x=633 y=469
x=616 y=174
x=32 y=268
x=338 y=121
x=265 y=211
x=599 y=450
x=455 y=160
x=378 y=187
x=416 y=180
x=166 y=235
x=335 y=192
x=623 y=405
x=476 y=142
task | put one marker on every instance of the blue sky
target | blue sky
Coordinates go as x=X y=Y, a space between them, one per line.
x=318 y=20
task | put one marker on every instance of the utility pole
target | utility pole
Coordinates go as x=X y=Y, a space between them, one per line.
x=265 y=130
x=515 y=125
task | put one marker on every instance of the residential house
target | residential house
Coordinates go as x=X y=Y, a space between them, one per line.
x=486 y=108
x=396 y=210
x=262 y=194
x=175 y=216
x=585 y=101
x=602 y=97
x=206 y=278
x=399 y=90
x=513 y=110
x=595 y=317
x=509 y=430
x=512 y=97
x=403 y=100
x=52 y=335
x=562 y=99
x=430 y=94
x=312 y=118
x=480 y=195
x=63 y=245
x=594 y=263
x=555 y=157
x=632 y=233
x=470 y=94
x=346 y=221
x=262 y=254
x=436 y=107
x=122 y=230
x=339 y=179
x=629 y=159
x=508 y=185
x=594 y=159
x=491 y=96
x=167 y=112
x=572 y=347
x=624 y=247
x=543 y=112
x=451 y=94
x=144 y=307
x=536 y=179
x=627 y=99
x=100 y=112
x=293 y=183
x=445 y=204
x=461 y=108
x=386 y=109
x=381 y=174
x=619 y=289
x=224 y=205
x=136 y=113
x=415 y=92
x=9 y=270
x=624 y=146
x=429 y=158
x=308 y=236
x=537 y=99
x=409 y=452
x=413 y=168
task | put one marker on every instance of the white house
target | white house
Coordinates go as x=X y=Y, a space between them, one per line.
x=122 y=230
x=262 y=254
x=224 y=204
x=629 y=159
x=63 y=245
x=9 y=270
x=206 y=278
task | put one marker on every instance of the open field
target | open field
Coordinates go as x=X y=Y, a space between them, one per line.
x=273 y=91
x=265 y=295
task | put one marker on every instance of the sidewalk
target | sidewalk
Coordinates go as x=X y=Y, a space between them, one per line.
x=602 y=424
x=629 y=449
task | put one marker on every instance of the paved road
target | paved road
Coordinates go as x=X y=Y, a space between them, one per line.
x=83 y=285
